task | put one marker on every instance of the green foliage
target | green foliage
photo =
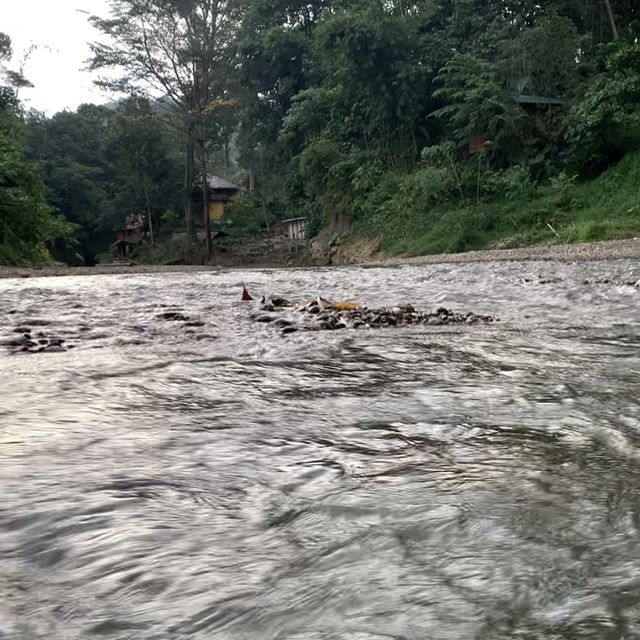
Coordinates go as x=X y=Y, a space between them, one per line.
x=355 y=110
x=479 y=102
x=563 y=210
x=542 y=58
x=388 y=97
x=605 y=123
x=27 y=225
x=512 y=183
x=100 y=165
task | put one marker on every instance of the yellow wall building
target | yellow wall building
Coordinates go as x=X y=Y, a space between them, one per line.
x=221 y=191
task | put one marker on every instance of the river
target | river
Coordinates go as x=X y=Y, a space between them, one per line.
x=165 y=481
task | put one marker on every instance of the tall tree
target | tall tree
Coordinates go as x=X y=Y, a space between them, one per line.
x=100 y=164
x=27 y=224
x=182 y=49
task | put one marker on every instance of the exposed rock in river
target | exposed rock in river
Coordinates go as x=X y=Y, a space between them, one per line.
x=320 y=314
x=39 y=343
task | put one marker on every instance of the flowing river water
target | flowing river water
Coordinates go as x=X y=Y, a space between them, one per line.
x=166 y=481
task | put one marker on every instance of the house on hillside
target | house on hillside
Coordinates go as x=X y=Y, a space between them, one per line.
x=220 y=191
x=129 y=233
x=529 y=102
x=525 y=97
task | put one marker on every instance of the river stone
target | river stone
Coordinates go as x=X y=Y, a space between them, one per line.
x=18 y=342
x=264 y=318
x=289 y=329
x=173 y=315
x=54 y=348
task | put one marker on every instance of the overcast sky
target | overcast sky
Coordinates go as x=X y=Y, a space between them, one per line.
x=61 y=30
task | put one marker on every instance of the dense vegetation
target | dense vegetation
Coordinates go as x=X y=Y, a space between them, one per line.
x=437 y=125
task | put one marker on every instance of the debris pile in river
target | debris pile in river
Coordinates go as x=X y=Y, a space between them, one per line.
x=322 y=315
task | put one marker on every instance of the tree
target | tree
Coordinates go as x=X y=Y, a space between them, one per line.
x=100 y=164
x=605 y=123
x=27 y=224
x=69 y=148
x=182 y=49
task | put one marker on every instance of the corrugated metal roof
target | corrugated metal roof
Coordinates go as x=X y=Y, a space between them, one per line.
x=215 y=182
x=524 y=99
x=293 y=219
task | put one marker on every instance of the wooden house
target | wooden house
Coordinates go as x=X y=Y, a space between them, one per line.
x=220 y=191
x=130 y=233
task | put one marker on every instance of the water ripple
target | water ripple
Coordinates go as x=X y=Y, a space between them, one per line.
x=216 y=480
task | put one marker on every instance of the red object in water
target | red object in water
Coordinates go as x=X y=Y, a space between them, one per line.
x=245 y=294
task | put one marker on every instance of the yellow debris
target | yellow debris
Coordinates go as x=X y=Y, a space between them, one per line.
x=345 y=306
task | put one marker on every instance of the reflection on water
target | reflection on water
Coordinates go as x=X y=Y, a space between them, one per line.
x=162 y=481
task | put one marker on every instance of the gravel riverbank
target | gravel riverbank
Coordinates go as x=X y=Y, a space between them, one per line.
x=592 y=251
x=610 y=250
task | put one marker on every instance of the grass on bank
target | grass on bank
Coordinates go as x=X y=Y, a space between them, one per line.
x=563 y=211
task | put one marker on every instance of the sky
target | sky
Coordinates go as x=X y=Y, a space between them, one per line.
x=61 y=31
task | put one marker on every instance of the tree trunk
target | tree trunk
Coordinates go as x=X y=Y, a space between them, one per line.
x=146 y=195
x=612 y=20
x=263 y=190
x=226 y=156
x=188 y=185
x=205 y=199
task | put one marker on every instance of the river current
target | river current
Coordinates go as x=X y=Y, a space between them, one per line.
x=220 y=480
